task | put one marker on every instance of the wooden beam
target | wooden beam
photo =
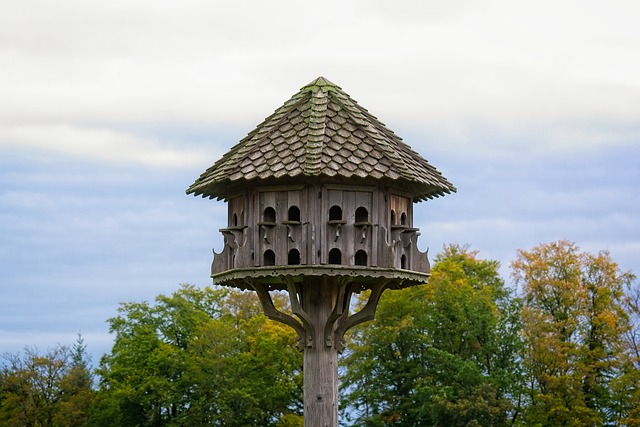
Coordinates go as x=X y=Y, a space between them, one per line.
x=274 y=314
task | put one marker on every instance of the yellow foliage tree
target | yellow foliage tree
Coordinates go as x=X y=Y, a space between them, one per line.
x=574 y=324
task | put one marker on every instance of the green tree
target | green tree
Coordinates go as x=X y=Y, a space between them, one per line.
x=626 y=384
x=77 y=388
x=51 y=390
x=442 y=354
x=574 y=323
x=198 y=357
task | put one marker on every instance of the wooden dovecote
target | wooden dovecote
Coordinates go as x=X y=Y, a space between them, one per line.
x=320 y=187
x=320 y=204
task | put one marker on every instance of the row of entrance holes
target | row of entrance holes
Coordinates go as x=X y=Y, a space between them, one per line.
x=335 y=255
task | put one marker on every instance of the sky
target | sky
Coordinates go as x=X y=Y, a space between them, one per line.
x=109 y=110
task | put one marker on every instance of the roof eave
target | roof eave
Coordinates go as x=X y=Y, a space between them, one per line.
x=225 y=189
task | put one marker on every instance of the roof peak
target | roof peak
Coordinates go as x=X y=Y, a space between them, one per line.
x=320 y=83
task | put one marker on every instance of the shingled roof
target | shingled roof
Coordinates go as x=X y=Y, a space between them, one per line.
x=321 y=132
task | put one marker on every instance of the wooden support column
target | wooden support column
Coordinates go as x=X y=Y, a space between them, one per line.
x=320 y=308
x=320 y=360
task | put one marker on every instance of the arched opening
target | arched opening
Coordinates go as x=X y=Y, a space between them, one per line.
x=235 y=220
x=335 y=256
x=403 y=262
x=294 y=257
x=393 y=217
x=294 y=213
x=269 y=257
x=269 y=215
x=362 y=215
x=403 y=219
x=335 y=213
x=361 y=257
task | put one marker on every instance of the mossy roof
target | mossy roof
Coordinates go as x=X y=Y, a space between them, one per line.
x=321 y=134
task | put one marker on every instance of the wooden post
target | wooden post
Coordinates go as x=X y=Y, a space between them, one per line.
x=321 y=359
x=321 y=308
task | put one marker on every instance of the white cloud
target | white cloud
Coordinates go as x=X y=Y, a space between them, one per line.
x=507 y=64
x=417 y=12
x=102 y=144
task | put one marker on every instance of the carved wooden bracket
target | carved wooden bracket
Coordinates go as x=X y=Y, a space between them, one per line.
x=363 y=230
x=340 y=309
x=367 y=313
x=295 y=298
x=338 y=322
x=274 y=314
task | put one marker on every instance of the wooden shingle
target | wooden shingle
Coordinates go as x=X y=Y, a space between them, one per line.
x=321 y=132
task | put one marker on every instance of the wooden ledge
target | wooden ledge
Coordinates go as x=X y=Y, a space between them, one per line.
x=276 y=276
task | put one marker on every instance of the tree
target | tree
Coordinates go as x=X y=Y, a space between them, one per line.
x=196 y=358
x=574 y=323
x=51 y=390
x=77 y=388
x=626 y=384
x=444 y=353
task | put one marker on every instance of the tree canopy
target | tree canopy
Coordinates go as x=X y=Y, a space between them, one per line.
x=561 y=347
x=46 y=390
x=575 y=321
x=438 y=354
x=199 y=358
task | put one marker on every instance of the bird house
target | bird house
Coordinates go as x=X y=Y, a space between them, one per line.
x=320 y=187
x=320 y=202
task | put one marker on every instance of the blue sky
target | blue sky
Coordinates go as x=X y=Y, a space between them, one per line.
x=109 y=110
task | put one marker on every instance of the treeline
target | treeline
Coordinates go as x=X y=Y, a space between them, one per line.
x=464 y=350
